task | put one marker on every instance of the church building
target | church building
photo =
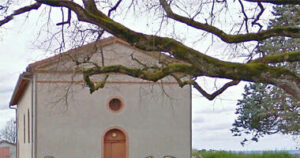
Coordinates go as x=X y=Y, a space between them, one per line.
x=58 y=117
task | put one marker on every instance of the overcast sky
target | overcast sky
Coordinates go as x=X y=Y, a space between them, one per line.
x=212 y=120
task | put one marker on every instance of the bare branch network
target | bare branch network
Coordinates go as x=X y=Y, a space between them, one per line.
x=193 y=63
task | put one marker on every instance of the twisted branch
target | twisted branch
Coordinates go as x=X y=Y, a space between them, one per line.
x=201 y=90
x=288 y=31
x=19 y=11
x=199 y=64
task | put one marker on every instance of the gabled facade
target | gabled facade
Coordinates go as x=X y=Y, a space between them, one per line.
x=128 y=118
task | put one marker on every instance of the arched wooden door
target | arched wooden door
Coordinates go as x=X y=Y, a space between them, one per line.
x=114 y=144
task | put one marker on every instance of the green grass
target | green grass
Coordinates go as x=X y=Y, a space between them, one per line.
x=221 y=154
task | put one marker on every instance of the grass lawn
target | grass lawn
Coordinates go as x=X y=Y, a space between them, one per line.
x=222 y=154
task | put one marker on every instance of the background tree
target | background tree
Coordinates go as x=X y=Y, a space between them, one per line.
x=93 y=18
x=8 y=133
x=266 y=109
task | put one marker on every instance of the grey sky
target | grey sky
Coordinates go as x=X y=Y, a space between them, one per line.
x=211 y=119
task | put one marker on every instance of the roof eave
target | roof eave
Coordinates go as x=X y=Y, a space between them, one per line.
x=19 y=88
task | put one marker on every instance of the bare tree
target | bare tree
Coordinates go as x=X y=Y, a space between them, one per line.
x=202 y=16
x=8 y=133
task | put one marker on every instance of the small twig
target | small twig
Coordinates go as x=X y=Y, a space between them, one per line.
x=100 y=33
x=216 y=93
x=69 y=18
x=145 y=66
x=139 y=62
x=114 y=8
x=201 y=90
x=245 y=15
x=198 y=12
x=3 y=8
x=62 y=43
x=212 y=12
x=262 y=9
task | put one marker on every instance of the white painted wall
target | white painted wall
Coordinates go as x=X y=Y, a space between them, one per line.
x=24 y=104
x=156 y=117
x=157 y=124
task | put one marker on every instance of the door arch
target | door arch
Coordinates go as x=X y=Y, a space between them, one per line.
x=115 y=144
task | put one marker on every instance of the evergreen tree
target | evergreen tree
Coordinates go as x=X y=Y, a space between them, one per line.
x=266 y=109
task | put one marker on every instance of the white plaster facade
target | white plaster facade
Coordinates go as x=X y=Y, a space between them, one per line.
x=66 y=121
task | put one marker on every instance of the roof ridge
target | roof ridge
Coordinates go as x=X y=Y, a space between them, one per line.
x=105 y=41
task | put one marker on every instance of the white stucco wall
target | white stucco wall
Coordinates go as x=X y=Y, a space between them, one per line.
x=24 y=104
x=156 y=124
x=156 y=118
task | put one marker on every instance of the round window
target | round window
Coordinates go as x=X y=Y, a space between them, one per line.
x=115 y=104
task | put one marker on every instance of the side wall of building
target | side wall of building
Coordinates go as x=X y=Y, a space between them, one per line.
x=24 y=124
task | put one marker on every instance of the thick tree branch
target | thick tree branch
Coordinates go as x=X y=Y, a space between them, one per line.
x=146 y=74
x=20 y=11
x=288 y=31
x=203 y=65
x=114 y=8
x=200 y=64
x=280 y=57
x=150 y=76
x=277 y=2
x=90 y=5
